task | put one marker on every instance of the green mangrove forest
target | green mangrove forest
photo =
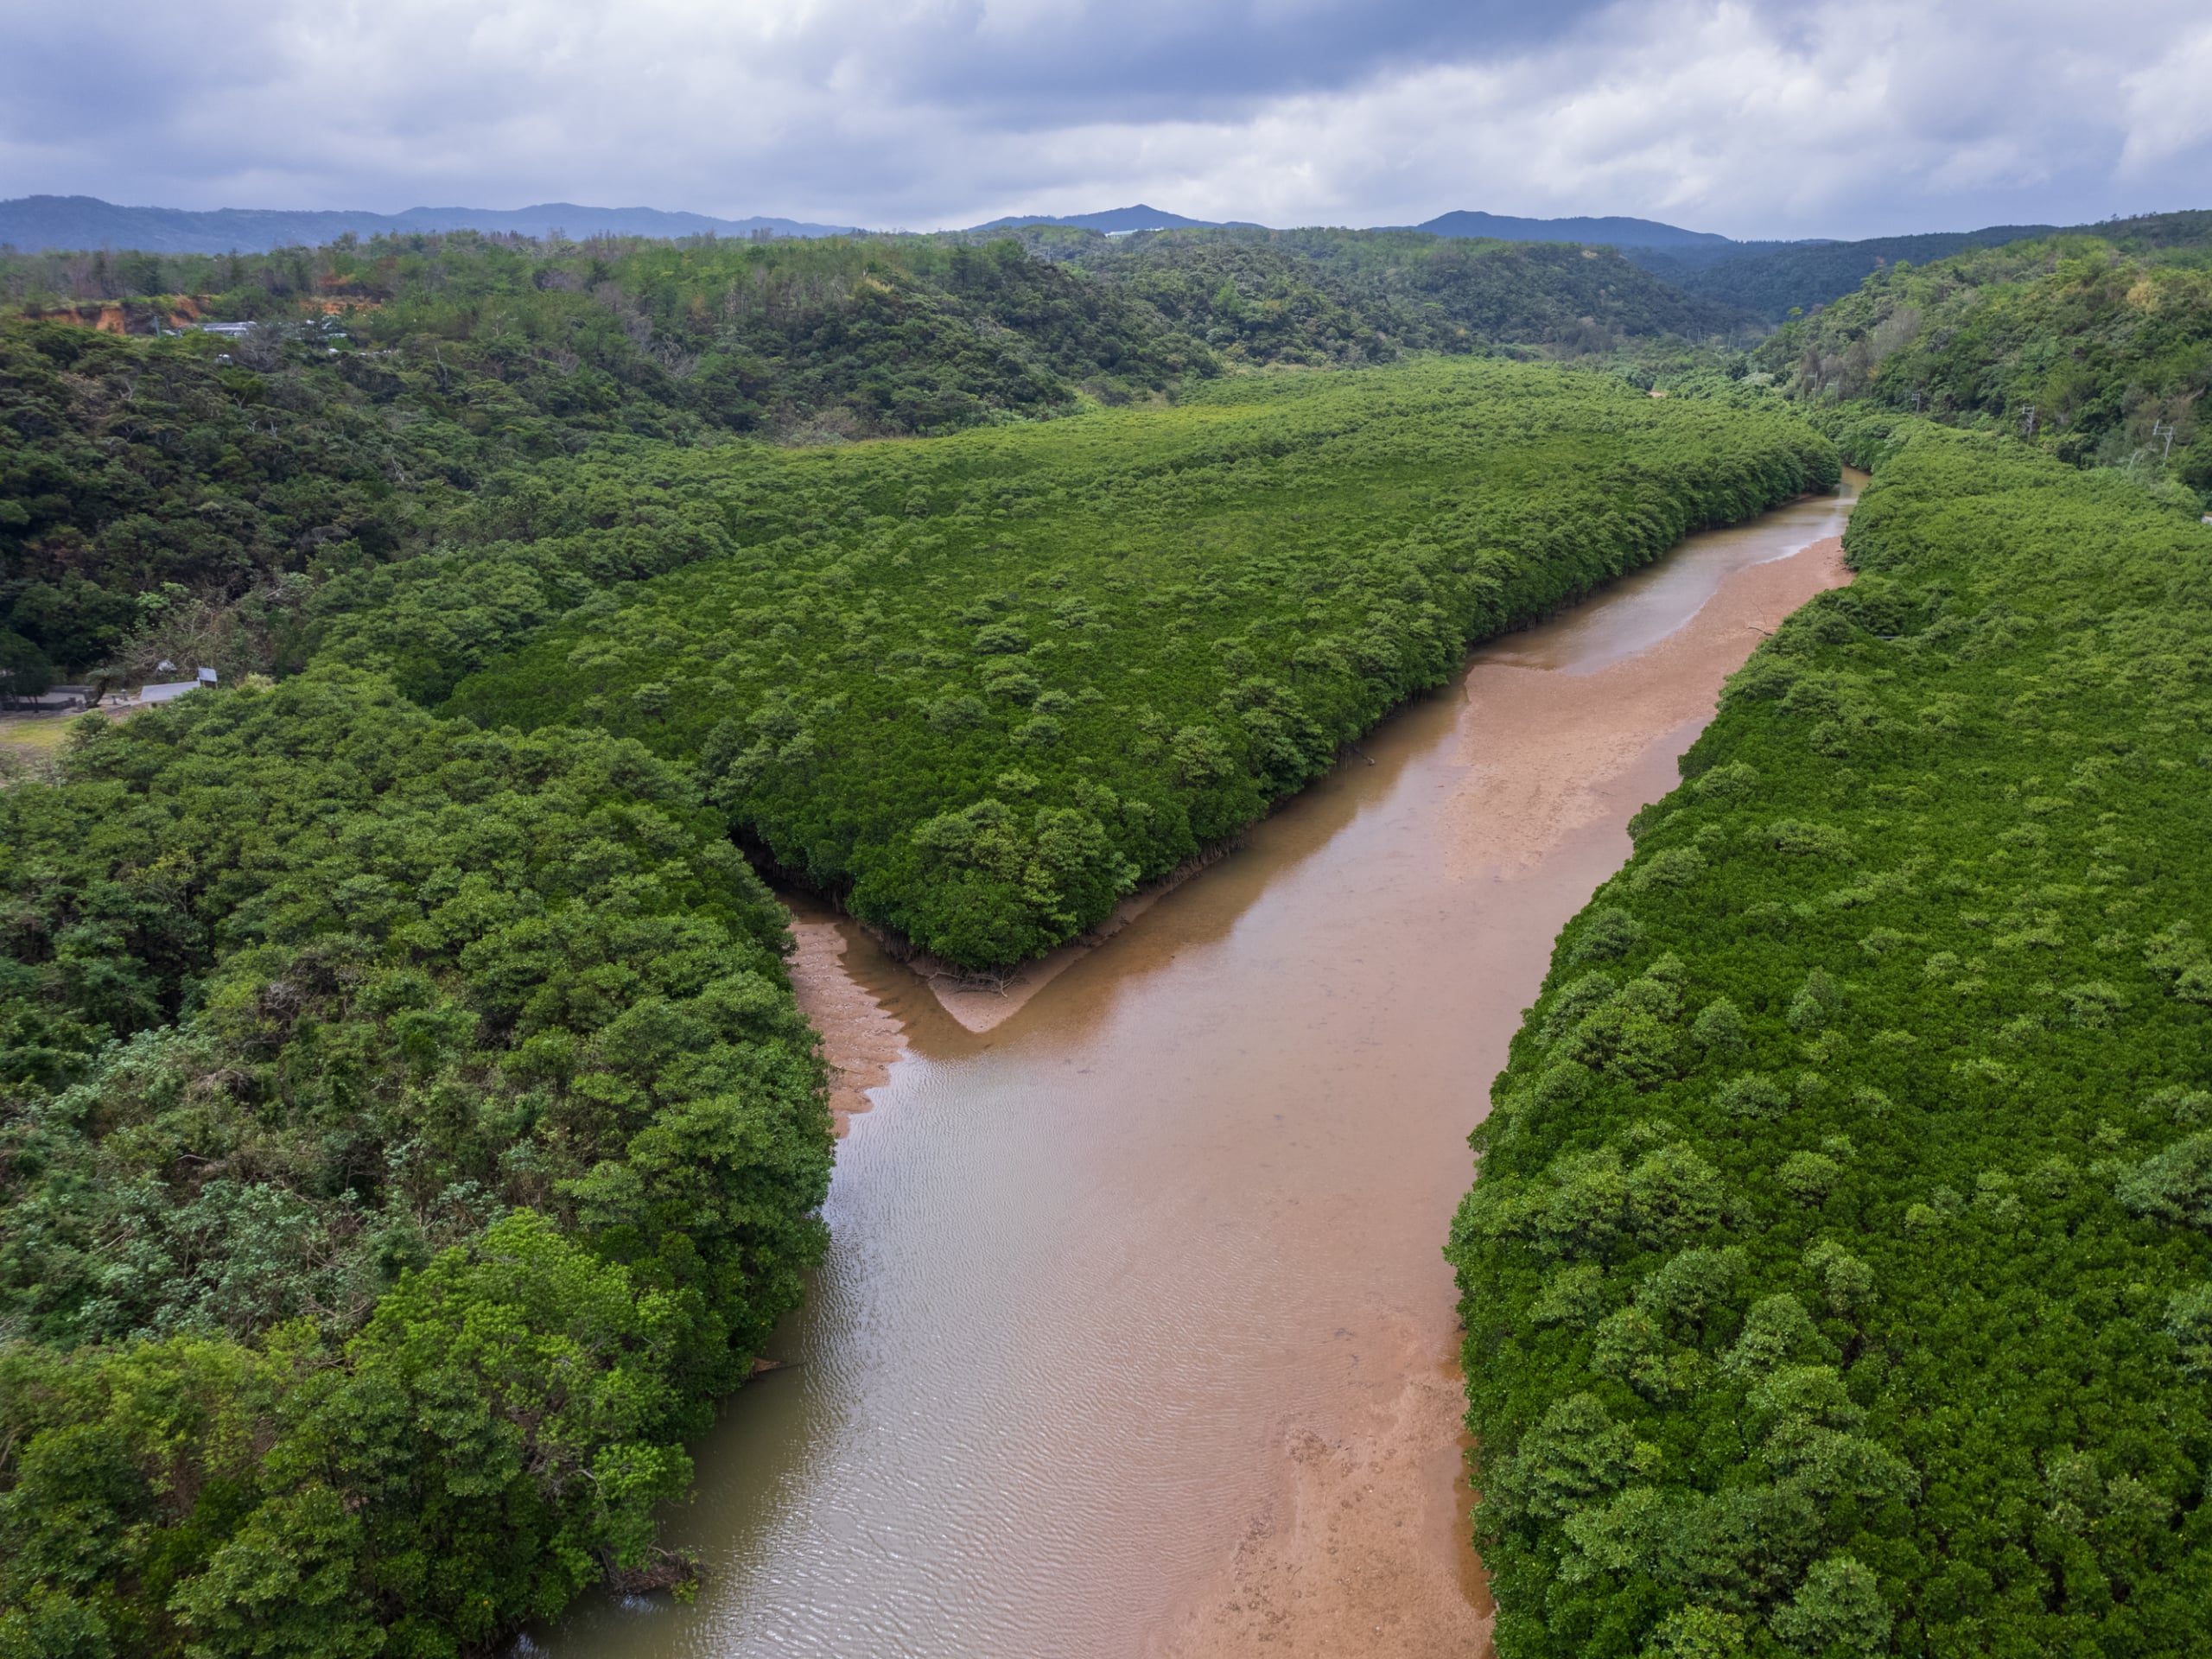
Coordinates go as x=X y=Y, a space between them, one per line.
x=408 y=1133
x=984 y=689
x=1838 y=1275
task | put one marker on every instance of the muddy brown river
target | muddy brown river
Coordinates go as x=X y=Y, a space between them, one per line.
x=1135 y=1337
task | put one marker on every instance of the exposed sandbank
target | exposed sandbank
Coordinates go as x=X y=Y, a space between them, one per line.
x=1541 y=744
x=982 y=1007
x=1362 y=1550
x=860 y=1038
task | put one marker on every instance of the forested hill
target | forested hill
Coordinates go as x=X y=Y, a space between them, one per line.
x=1771 y=283
x=184 y=498
x=1234 y=287
x=146 y=479
x=2097 y=349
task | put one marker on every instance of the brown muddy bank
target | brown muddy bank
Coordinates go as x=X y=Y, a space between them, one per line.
x=1135 y=1336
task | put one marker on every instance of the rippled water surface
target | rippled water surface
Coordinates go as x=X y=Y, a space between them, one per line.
x=1087 y=1266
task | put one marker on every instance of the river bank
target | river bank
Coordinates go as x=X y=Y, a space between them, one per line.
x=1134 y=1335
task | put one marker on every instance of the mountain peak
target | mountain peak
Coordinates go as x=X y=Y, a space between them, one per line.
x=1140 y=217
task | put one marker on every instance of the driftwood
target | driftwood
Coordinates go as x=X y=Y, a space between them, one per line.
x=667 y=1569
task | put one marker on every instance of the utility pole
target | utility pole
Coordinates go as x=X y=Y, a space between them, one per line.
x=2027 y=420
x=2163 y=430
x=1916 y=403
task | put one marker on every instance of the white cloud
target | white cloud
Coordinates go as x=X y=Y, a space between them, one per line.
x=1752 y=116
x=2170 y=114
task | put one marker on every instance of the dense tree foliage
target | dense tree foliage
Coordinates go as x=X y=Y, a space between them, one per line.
x=406 y=1130
x=167 y=490
x=182 y=498
x=408 y=1133
x=984 y=688
x=2089 y=347
x=1837 y=1279
x=1335 y=295
x=1772 y=283
x=140 y=479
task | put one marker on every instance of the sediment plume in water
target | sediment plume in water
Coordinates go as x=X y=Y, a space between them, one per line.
x=1365 y=1541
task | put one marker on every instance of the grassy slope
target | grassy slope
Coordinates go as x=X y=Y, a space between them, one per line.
x=1835 y=1276
x=1116 y=640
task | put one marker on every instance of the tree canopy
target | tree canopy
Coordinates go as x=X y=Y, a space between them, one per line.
x=982 y=690
x=1837 y=1274
x=409 y=1133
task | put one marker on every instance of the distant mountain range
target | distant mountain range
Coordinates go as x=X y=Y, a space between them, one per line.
x=31 y=223
x=1613 y=233
x=1766 y=278
x=1607 y=233
x=1118 y=220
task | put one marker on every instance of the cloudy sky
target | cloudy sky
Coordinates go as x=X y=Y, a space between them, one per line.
x=1752 y=118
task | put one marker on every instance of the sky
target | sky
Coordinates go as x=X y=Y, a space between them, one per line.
x=1754 y=119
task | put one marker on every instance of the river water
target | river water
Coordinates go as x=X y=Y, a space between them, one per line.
x=1135 y=1334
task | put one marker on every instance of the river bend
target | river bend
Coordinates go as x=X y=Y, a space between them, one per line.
x=1135 y=1337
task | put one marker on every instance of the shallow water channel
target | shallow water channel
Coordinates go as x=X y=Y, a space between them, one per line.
x=1119 y=1285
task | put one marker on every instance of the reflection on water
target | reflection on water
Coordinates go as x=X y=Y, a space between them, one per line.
x=1086 y=1266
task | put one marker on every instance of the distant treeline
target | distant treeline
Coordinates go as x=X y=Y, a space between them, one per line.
x=1773 y=283
x=164 y=497
x=1838 y=1276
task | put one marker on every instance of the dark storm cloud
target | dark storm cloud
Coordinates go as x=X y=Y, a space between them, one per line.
x=1749 y=116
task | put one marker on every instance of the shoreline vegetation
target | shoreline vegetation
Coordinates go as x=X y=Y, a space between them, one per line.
x=408 y=1128
x=410 y=1135
x=1086 y=653
x=1835 y=1276
x=411 y=1130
